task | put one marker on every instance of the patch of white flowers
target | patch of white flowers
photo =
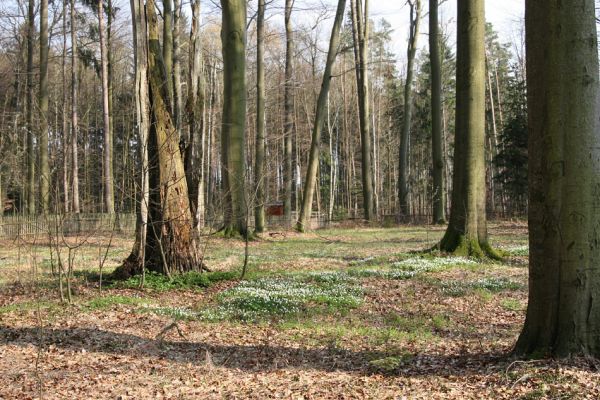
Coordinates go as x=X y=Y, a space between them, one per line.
x=519 y=251
x=459 y=288
x=420 y=264
x=256 y=299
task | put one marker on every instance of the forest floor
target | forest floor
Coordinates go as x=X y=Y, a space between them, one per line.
x=332 y=314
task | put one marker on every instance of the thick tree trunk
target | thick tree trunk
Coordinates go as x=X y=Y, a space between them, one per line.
x=288 y=109
x=403 y=160
x=31 y=154
x=259 y=209
x=467 y=231
x=74 y=112
x=233 y=37
x=563 y=316
x=360 y=29
x=171 y=244
x=439 y=207
x=313 y=161
x=109 y=197
x=43 y=105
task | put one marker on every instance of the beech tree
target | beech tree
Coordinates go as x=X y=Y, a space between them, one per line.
x=313 y=161
x=233 y=38
x=403 y=164
x=259 y=169
x=563 y=315
x=467 y=230
x=288 y=104
x=360 y=34
x=170 y=238
x=437 y=150
x=43 y=97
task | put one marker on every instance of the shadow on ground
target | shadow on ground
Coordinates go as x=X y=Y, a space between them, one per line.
x=255 y=358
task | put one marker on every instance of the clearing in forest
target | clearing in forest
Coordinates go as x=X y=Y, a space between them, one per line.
x=338 y=313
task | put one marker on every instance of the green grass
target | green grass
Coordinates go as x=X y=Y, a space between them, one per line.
x=512 y=305
x=106 y=302
x=190 y=280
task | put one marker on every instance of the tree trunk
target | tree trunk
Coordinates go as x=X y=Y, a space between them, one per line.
x=439 y=210
x=563 y=316
x=31 y=156
x=109 y=197
x=403 y=164
x=288 y=110
x=467 y=231
x=167 y=49
x=171 y=244
x=134 y=264
x=177 y=95
x=313 y=161
x=74 y=112
x=233 y=37
x=43 y=105
x=360 y=29
x=194 y=155
x=65 y=115
x=259 y=209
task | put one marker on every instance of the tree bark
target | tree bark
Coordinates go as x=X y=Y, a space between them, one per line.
x=313 y=161
x=195 y=148
x=109 y=197
x=439 y=208
x=233 y=37
x=563 y=316
x=467 y=231
x=135 y=262
x=288 y=110
x=403 y=160
x=167 y=49
x=31 y=153
x=43 y=105
x=65 y=116
x=171 y=244
x=74 y=112
x=259 y=169
x=360 y=29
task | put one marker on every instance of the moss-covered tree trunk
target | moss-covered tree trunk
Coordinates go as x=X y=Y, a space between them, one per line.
x=437 y=145
x=259 y=168
x=467 y=230
x=233 y=37
x=288 y=110
x=313 y=160
x=563 y=316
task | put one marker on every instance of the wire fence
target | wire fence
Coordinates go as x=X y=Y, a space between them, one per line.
x=13 y=226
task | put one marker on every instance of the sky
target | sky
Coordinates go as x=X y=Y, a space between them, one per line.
x=505 y=15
